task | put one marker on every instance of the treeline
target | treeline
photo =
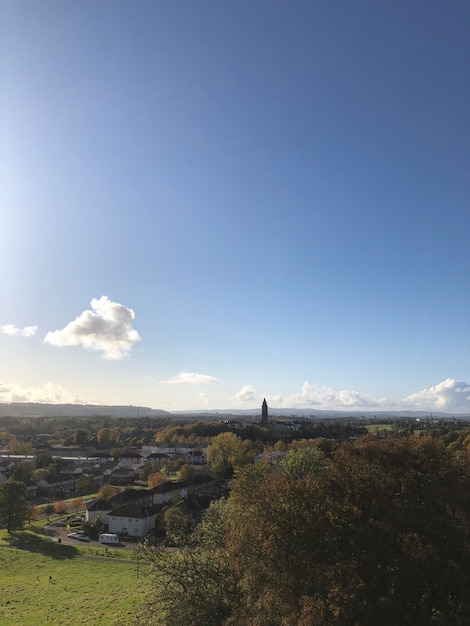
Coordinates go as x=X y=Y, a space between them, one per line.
x=200 y=432
x=376 y=532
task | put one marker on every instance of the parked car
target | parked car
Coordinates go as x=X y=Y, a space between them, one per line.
x=79 y=536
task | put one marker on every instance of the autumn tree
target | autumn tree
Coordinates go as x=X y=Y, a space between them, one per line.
x=354 y=545
x=227 y=451
x=60 y=508
x=380 y=535
x=107 y=491
x=158 y=478
x=13 y=508
x=77 y=503
x=32 y=512
x=108 y=436
x=186 y=472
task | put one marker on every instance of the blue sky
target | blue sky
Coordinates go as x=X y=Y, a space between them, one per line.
x=205 y=203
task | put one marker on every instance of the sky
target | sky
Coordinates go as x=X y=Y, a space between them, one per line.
x=205 y=203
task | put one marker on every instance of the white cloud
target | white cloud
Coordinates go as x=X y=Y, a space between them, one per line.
x=323 y=397
x=190 y=378
x=205 y=398
x=26 y=331
x=448 y=396
x=246 y=394
x=49 y=393
x=107 y=328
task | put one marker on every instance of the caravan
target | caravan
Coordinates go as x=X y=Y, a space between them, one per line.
x=108 y=538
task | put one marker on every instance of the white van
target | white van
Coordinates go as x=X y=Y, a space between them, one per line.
x=108 y=538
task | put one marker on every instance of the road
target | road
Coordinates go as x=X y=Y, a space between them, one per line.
x=58 y=531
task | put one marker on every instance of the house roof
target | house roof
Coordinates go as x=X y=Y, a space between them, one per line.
x=168 y=486
x=133 y=510
x=99 y=505
x=128 y=496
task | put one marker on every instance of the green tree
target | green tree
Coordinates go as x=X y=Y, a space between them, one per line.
x=13 y=507
x=39 y=474
x=194 y=585
x=81 y=437
x=85 y=484
x=300 y=461
x=177 y=525
x=23 y=471
x=43 y=460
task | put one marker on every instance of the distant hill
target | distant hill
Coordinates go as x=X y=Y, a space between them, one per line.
x=36 y=409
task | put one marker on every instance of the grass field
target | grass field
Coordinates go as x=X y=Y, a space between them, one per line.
x=83 y=587
x=373 y=428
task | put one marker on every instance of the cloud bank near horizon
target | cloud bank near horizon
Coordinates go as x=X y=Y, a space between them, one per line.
x=49 y=393
x=107 y=328
x=448 y=396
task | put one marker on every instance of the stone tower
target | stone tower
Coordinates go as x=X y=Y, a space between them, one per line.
x=264 y=412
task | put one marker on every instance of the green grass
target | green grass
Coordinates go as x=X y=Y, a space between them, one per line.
x=83 y=588
x=373 y=428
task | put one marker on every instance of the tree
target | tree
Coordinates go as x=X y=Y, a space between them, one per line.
x=350 y=544
x=158 y=478
x=302 y=460
x=23 y=471
x=354 y=545
x=85 y=484
x=107 y=491
x=60 y=508
x=48 y=510
x=177 y=525
x=108 y=436
x=13 y=508
x=33 y=512
x=77 y=504
x=193 y=585
x=43 y=460
x=39 y=474
x=186 y=472
x=104 y=436
x=227 y=451
x=81 y=437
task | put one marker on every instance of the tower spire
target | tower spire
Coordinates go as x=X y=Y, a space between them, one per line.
x=264 y=412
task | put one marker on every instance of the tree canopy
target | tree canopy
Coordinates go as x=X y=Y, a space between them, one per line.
x=13 y=507
x=379 y=536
